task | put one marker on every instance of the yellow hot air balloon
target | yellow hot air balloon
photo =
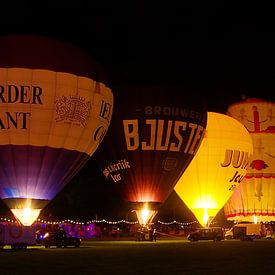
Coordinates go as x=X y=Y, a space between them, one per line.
x=217 y=168
x=254 y=199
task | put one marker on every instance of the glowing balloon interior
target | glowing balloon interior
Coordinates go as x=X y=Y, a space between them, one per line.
x=54 y=112
x=145 y=215
x=154 y=134
x=217 y=169
x=254 y=199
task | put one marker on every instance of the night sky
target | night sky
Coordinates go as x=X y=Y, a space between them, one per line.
x=226 y=52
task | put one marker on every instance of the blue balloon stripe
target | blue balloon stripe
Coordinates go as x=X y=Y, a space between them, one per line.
x=36 y=172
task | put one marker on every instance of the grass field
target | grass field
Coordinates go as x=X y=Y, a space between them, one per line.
x=131 y=257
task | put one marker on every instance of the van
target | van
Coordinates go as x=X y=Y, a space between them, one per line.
x=207 y=233
x=60 y=239
x=244 y=231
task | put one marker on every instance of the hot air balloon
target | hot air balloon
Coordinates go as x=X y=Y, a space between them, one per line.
x=254 y=199
x=55 y=108
x=217 y=169
x=155 y=132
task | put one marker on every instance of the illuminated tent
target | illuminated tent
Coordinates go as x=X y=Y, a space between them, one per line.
x=55 y=108
x=154 y=134
x=254 y=199
x=218 y=167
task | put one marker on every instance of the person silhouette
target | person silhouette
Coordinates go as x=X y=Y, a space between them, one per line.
x=155 y=234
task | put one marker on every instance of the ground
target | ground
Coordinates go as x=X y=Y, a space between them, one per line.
x=166 y=256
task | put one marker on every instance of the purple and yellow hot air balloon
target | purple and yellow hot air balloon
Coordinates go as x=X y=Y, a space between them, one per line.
x=55 y=108
x=155 y=132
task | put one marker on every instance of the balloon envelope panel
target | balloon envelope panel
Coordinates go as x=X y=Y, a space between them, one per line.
x=254 y=200
x=36 y=172
x=255 y=114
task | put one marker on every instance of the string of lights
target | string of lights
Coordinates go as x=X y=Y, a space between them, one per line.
x=5 y=219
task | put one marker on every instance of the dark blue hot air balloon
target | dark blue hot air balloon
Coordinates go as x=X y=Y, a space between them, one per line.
x=154 y=134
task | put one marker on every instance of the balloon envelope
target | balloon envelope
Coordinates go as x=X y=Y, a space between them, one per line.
x=254 y=199
x=55 y=108
x=154 y=134
x=218 y=167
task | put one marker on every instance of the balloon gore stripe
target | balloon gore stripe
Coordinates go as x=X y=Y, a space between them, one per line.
x=36 y=172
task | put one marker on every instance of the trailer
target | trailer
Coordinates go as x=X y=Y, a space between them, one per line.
x=244 y=231
x=17 y=236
